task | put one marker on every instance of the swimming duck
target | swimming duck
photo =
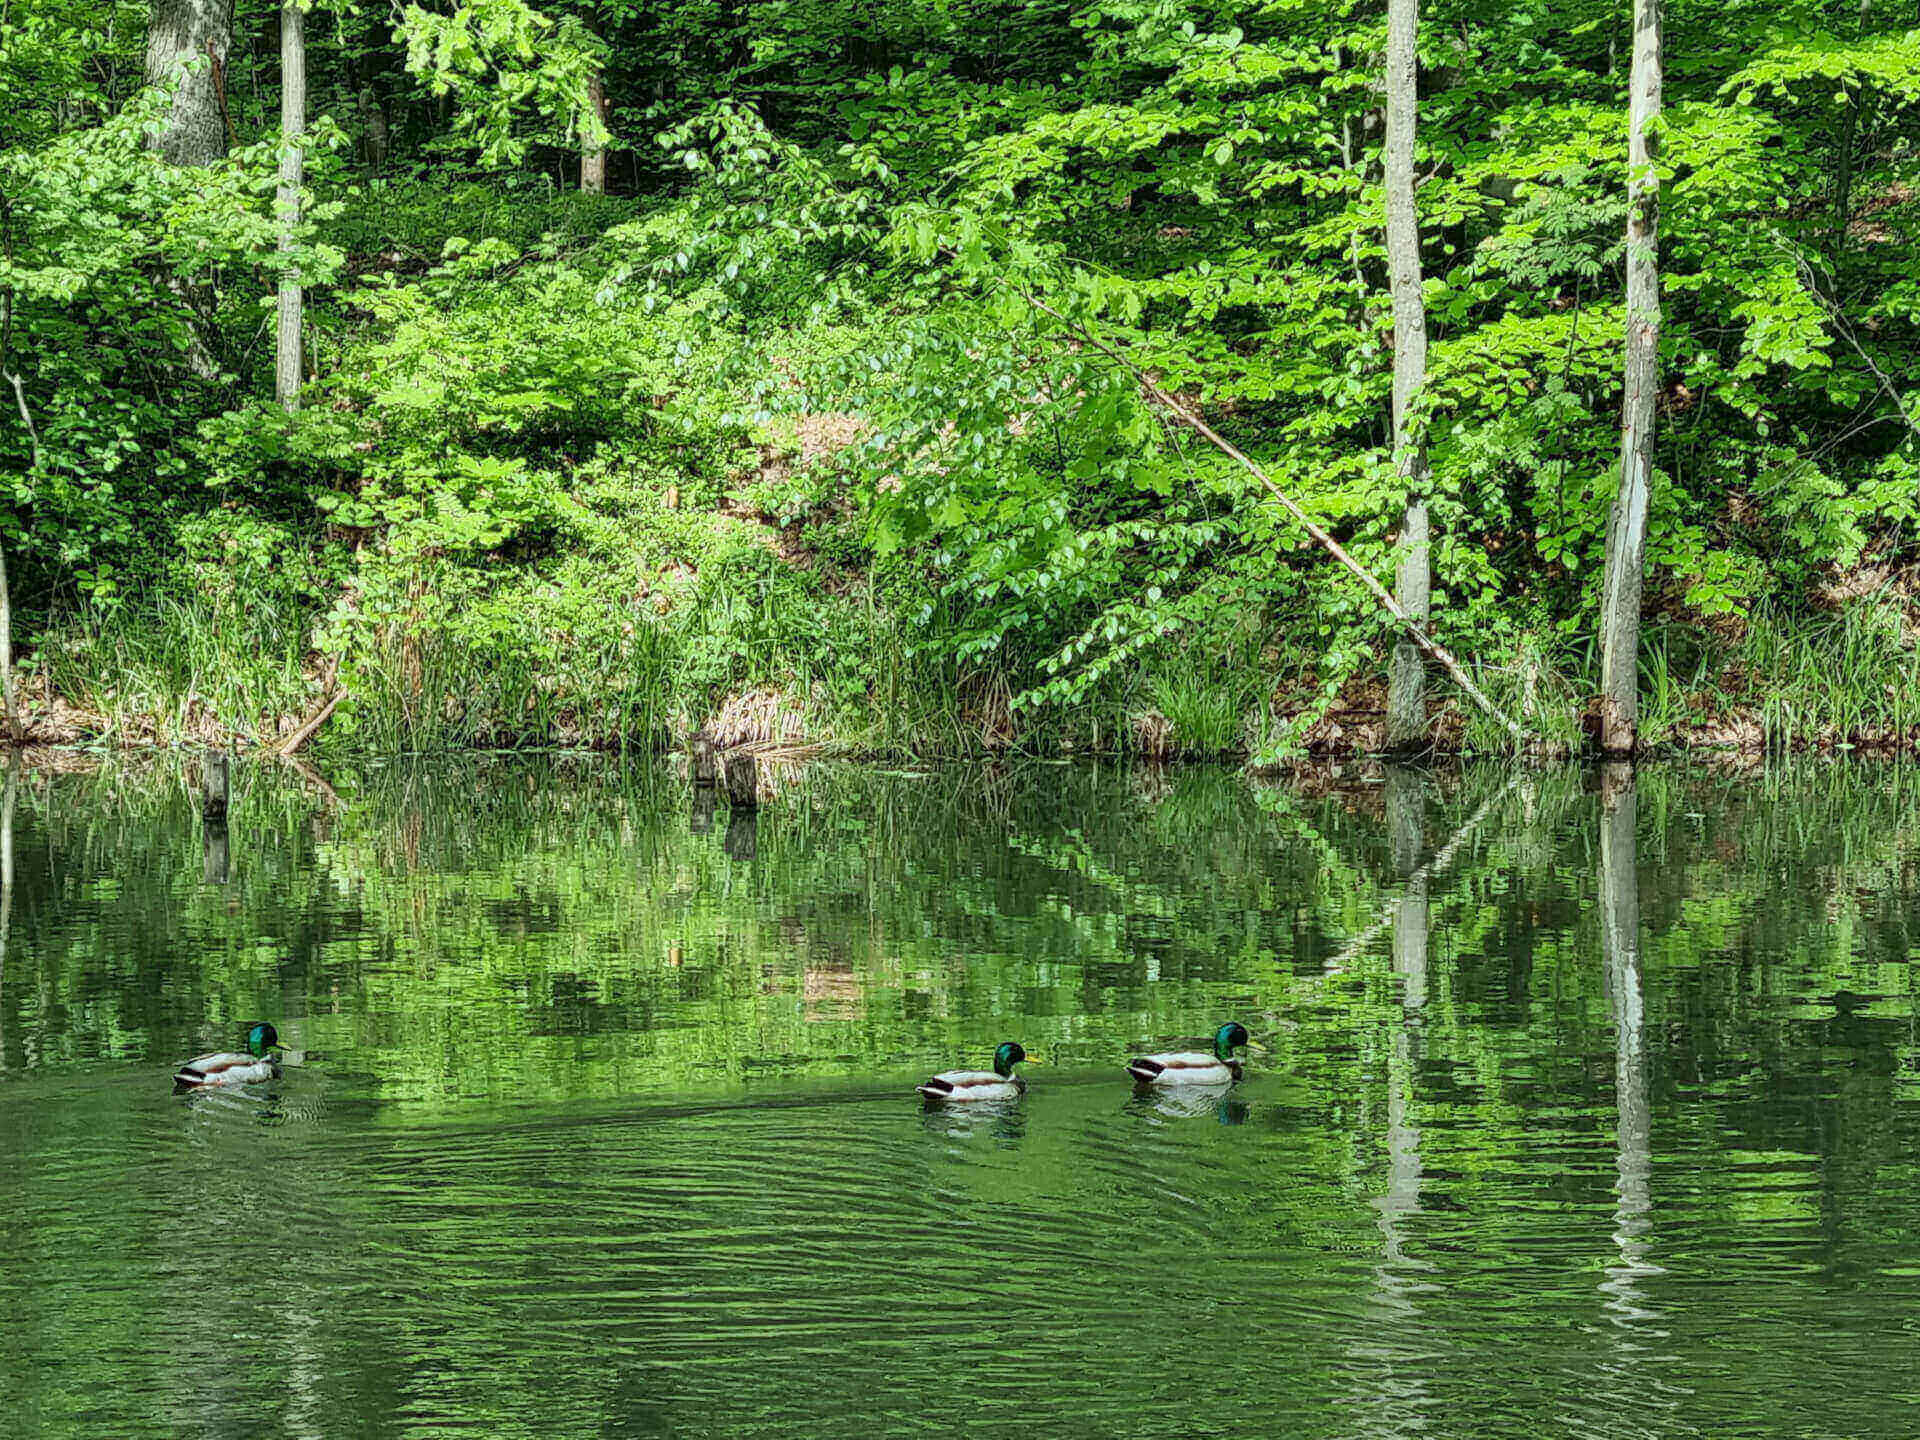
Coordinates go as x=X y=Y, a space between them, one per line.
x=1195 y=1067
x=228 y=1068
x=999 y=1083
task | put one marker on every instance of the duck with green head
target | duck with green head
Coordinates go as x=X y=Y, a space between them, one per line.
x=232 y=1068
x=1195 y=1067
x=999 y=1083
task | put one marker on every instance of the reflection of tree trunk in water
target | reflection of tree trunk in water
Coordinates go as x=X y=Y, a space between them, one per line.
x=215 y=867
x=1406 y=826
x=1620 y=949
x=6 y=888
x=704 y=799
x=1406 y=816
x=1396 y=1396
x=742 y=840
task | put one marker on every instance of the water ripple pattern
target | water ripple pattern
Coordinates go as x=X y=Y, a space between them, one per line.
x=1574 y=1116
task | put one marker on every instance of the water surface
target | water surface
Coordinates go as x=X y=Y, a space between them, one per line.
x=1590 y=1106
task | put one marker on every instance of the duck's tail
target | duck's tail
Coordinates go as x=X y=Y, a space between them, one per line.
x=1145 y=1071
x=935 y=1089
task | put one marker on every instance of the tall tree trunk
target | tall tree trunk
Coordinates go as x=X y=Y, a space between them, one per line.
x=1406 y=698
x=1627 y=527
x=593 y=152
x=8 y=698
x=293 y=127
x=187 y=45
x=180 y=32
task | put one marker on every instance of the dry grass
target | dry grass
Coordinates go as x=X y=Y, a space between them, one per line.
x=766 y=716
x=1153 y=735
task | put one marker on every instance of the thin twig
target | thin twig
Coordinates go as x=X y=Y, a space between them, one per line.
x=1839 y=319
x=1441 y=655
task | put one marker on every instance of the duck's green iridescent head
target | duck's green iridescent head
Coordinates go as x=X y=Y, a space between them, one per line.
x=1227 y=1036
x=262 y=1038
x=1006 y=1057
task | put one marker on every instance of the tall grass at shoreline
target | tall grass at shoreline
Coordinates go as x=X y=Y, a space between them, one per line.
x=165 y=669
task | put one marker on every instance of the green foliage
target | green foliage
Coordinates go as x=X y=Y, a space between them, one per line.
x=553 y=478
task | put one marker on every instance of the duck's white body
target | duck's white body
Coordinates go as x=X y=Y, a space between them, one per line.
x=952 y=1085
x=227 y=1068
x=1184 y=1067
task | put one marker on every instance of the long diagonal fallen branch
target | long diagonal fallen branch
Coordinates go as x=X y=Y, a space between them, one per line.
x=1442 y=656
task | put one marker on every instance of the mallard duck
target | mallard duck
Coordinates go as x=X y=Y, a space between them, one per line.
x=999 y=1083
x=229 y=1068
x=1195 y=1067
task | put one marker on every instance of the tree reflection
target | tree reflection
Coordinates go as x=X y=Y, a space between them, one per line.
x=1626 y=999
x=1396 y=1393
x=7 y=802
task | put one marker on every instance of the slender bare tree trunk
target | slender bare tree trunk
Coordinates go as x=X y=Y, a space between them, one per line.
x=7 y=696
x=1627 y=527
x=293 y=127
x=180 y=32
x=593 y=154
x=1352 y=162
x=1406 y=697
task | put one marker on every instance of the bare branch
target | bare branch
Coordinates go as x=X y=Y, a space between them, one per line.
x=26 y=417
x=1441 y=655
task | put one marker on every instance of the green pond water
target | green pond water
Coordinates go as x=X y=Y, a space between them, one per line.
x=1590 y=1105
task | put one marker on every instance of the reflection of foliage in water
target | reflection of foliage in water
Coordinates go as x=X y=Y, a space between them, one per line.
x=1409 y=1212
x=496 y=928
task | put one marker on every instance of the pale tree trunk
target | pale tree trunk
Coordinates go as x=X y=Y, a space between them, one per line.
x=8 y=697
x=1626 y=998
x=293 y=126
x=1406 y=699
x=180 y=32
x=593 y=150
x=373 y=115
x=1627 y=527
